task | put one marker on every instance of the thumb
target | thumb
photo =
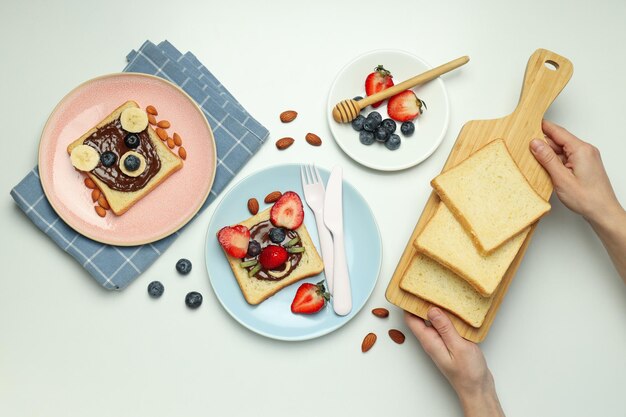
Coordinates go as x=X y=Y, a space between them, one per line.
x=548 y=159
x=444 y=327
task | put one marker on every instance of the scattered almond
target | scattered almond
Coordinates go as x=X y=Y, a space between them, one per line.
x=182 y=153
x=284 y=143
x=102 y=202
x=381 y=312
x=95 y=195
x=313 y=139
x=368 y=342
x=152 y=110
x=288 y=116
x=89 y=183
x=177 y=139
x=152 y=119
x=164 y=124
x=397 y=336
x=101 y=212
x=253 y=206
x=170 y=143
x=161 y=133
x=272 y=197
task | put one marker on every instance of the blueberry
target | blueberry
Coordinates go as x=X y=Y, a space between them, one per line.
x=155 y=289
x=108 y=158
x=254 y=248
x=132 y=163
x=357 y=124
x=357 y=98
x=389 y=125
x=407 y=128
x=375 y=116
x=183 y=266
x=370 y=124
x=277 y=234
x=381 y=134
x=393 y=142
x=366 y=138
x=193 y=299
x=131 y=140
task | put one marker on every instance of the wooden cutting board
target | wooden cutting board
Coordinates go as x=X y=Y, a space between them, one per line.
x=546 y=75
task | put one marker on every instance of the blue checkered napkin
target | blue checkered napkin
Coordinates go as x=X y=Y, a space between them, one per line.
x=237 y=135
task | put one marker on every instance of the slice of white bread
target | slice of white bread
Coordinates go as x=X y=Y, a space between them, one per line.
x=121 y=201
x=444 y=240
x=490 y=196
x=257 y=290
x=432 y=282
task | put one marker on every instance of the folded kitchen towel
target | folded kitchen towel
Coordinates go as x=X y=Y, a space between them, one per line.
x=238 y=136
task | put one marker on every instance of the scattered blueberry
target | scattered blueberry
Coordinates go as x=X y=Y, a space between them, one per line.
x=183 y=266
x=407 y=128
x=132 y=163
x=357 y=98
x=393 y=142
x=131 y=140
x=108 y=158
x=155 y=289
x=375 y=116
x=254 y=248
x=357 y=124
x=277 y=234
x=381 y=134
x=366 y=138
x=370 y=124
x=389 y=125
x=193 y=299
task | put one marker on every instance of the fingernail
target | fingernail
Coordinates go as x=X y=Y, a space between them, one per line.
x=433 y=313
x=536 y=145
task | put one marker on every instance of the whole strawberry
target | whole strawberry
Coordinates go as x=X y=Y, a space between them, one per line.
x=377 y=81
x=273 y=256
x=310 y=298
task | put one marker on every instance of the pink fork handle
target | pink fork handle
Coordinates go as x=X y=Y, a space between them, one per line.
x=326 y=242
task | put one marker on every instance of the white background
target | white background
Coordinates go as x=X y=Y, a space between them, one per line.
x=70 y=348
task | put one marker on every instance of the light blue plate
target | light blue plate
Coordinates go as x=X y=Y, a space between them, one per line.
x=273 y=317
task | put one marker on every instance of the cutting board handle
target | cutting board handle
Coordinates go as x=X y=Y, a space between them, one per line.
x=546 y=75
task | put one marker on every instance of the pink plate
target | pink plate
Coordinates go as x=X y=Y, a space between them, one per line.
x=164 y=210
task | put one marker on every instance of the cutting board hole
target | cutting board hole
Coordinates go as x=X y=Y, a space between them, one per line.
x=551 y=65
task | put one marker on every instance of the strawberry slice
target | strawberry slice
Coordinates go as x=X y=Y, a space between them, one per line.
x=405 y=106
x=377 y=81
x=273 y=256
x=310 y=298
x=234 y=240
x=287 y=211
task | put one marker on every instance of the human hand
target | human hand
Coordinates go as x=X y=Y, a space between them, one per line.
x=459 y=360
x=578 y=175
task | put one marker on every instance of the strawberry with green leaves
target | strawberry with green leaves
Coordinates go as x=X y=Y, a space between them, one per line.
x=377 y=81
x=310 y=298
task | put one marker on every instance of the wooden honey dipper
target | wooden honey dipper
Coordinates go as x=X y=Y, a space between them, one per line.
x=347 y=110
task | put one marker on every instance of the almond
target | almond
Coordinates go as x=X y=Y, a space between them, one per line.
x=313 y=139
x=101 y=212
x=102 y=202
x=272 y=197
x=170 y=143
x=397 y=336
x=152 y=120
x=161 y=133
x=152 y=110
x=381 y=312
x=95 y=195
x=182 y=153
x=177 y=139
x=284 y=143
x=253 y=206
x=164 y=124
x=368 y=342
x=288 y=116
x=89 y=183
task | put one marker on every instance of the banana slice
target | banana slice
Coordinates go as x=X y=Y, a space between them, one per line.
x=281 y=273
x=84 y=158
x=134 y=120
x=136 y=172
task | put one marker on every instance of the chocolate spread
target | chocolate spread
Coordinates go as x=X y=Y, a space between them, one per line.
x=110 y=137
x=260 y=233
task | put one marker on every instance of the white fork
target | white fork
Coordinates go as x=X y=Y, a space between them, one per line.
x=314 y=194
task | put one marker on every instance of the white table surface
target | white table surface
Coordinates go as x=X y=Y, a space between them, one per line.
x=70 y=348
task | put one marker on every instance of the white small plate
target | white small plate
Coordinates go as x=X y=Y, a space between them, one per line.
x=430 y=127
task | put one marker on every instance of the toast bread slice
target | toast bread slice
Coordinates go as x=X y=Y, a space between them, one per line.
x=121 y=201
